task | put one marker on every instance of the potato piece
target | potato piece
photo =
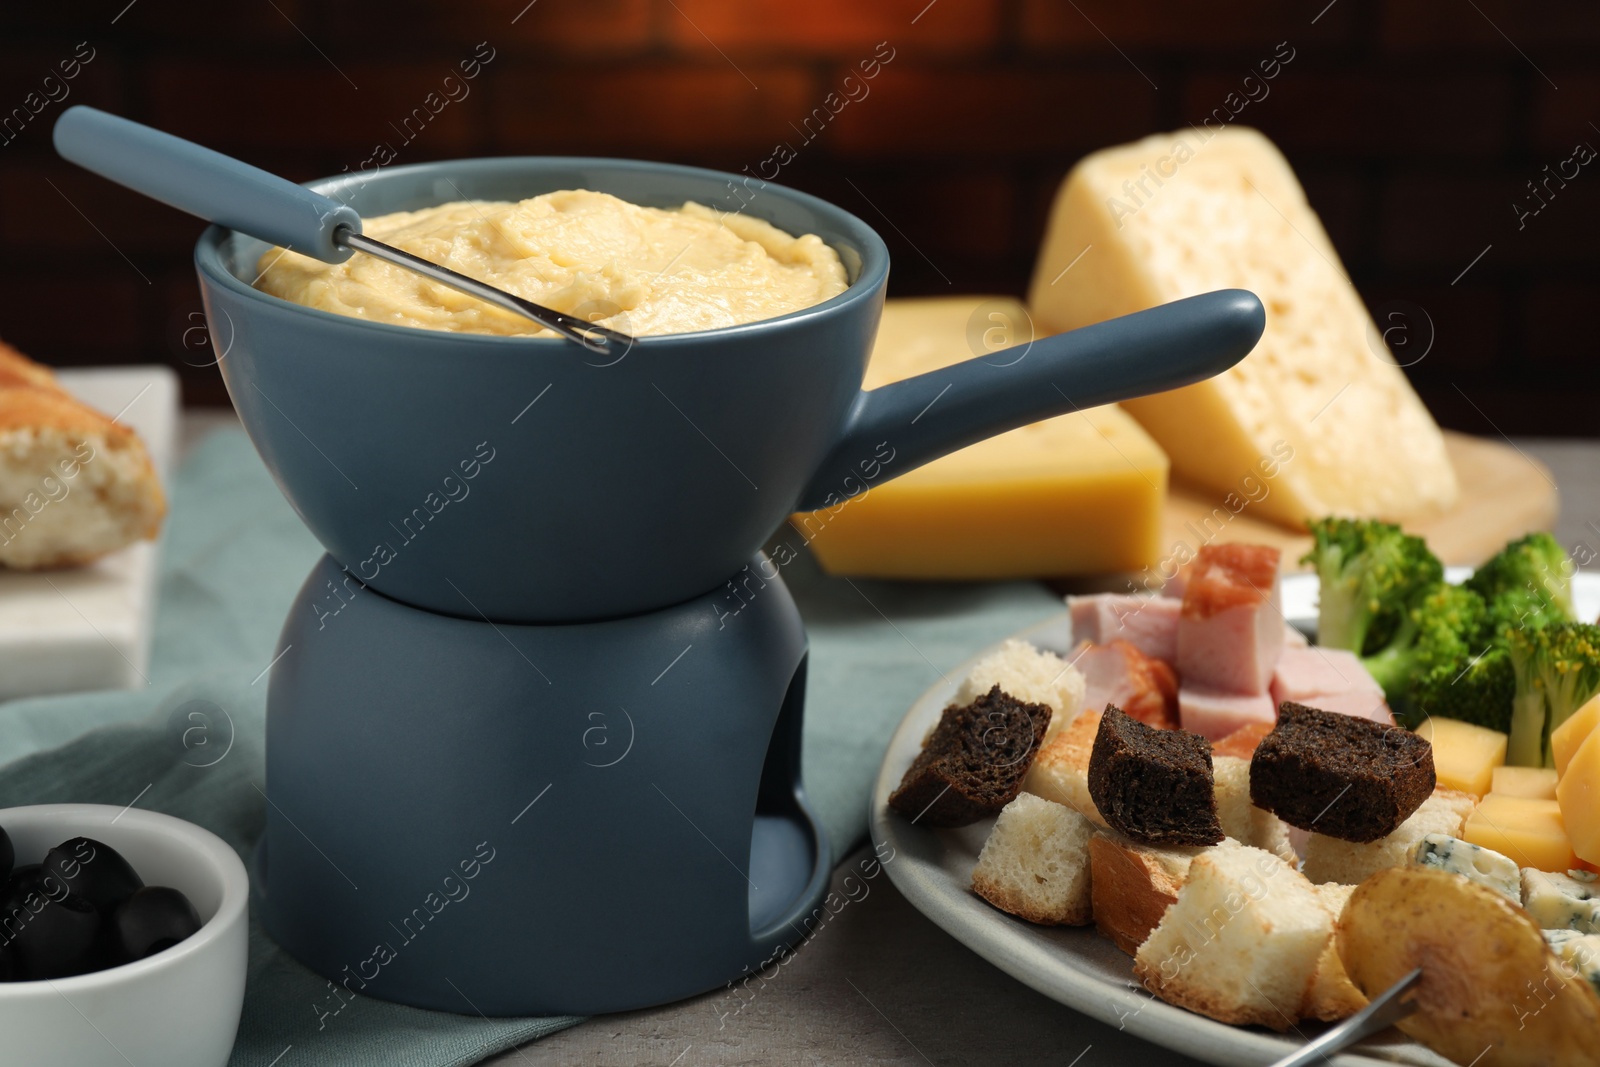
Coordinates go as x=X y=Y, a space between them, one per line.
x=1492 y=993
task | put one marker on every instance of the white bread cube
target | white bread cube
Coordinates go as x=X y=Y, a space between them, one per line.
x=1332 y=995
x=1060 y=769
x=1242 y=820
x=1031 y=675
x=1328 y=859
x=1035 y=864
x=1242 y=943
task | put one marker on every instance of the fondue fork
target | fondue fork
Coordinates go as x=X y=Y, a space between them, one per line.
x=1386 y=1009
x=230 y=193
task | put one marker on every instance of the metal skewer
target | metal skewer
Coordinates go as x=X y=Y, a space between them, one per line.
x=594 y=338
x=223 y=190
x=1384 y=1011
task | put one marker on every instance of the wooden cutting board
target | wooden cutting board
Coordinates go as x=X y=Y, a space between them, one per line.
x=1504 y=494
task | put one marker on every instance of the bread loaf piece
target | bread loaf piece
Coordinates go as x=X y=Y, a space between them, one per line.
x=1031 y=675
x=1242 y=820
x=1132 y=885
x=1328 y=859
x=1060 y=771
x=1332 y=995
x=1339 y=775
x=973 y=762
x=1152 y=785
x=1316 y=413
x=74 y=484
x=1035 y=863
x=1242 y=942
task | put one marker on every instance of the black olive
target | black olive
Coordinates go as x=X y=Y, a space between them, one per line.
x=92 y=870
x=8 y=855
x=19 y=876
x=154 y=918
x=24 y=892
x=50 y=935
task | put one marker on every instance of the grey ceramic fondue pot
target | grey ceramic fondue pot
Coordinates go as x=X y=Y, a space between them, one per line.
x=609 y=487
x=534 y=722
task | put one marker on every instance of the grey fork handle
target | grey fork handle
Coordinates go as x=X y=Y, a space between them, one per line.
x=204 y=183
x=925 y=417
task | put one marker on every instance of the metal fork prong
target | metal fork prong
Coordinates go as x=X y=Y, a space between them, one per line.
x=591 y=336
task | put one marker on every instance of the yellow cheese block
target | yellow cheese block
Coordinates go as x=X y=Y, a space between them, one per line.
x=1579 y=797
x=1179 y=214
x=1536 y=782
x=1464 y=755
x=1078 y=494
x=1566 y=738
x=1528 y=830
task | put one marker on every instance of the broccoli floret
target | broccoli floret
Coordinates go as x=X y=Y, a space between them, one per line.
x=1557 y=669
x=1528 y=584
x=1478 y=689
x=1442 y=629
x=1370 y=572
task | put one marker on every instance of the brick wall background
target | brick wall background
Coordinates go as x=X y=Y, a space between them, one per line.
x=1415 y=125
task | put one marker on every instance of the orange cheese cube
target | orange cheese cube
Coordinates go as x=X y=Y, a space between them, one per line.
x=1579 y=796
x=1528 y=830
x=1536 y=782
x=1464 y=755
x=1565 y=739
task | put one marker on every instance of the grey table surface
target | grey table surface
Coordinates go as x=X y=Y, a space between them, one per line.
x=882 y=985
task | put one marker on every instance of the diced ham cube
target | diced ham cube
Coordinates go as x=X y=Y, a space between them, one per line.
x=1149 y=624
x=1242 y=743
x=1360 y=705
x=1293 y=638
x=1174 y=586
x=1230 y=629
x=1214 y=714
x=1305 y=673
x=1331 y=679
x=1118 y=673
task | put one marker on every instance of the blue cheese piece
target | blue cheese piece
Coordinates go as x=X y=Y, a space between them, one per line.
x=1568 y=901
x=1482 y=865
x=1579 y=952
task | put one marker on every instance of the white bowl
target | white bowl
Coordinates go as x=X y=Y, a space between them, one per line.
x=178 y=1008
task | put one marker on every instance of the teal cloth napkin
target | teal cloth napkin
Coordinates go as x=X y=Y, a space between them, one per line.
x=234 y=556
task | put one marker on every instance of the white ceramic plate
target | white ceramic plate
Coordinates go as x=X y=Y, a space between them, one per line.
x=1075 y=965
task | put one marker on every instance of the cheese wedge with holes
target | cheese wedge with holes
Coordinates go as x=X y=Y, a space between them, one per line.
x=1078 y=494
x=1185 y=213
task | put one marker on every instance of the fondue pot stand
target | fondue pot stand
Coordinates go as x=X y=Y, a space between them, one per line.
x=533 y=733
x=538 y=819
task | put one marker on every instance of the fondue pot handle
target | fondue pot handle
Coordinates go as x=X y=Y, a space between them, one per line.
x=208 y=184
x=923 y=418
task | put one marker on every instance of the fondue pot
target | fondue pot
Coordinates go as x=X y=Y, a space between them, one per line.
x=520 y=748
x=636 y=482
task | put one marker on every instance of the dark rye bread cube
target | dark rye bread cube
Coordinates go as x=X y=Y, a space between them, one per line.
x=1340 y=776
x=973 y=763
x=1155 y=786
